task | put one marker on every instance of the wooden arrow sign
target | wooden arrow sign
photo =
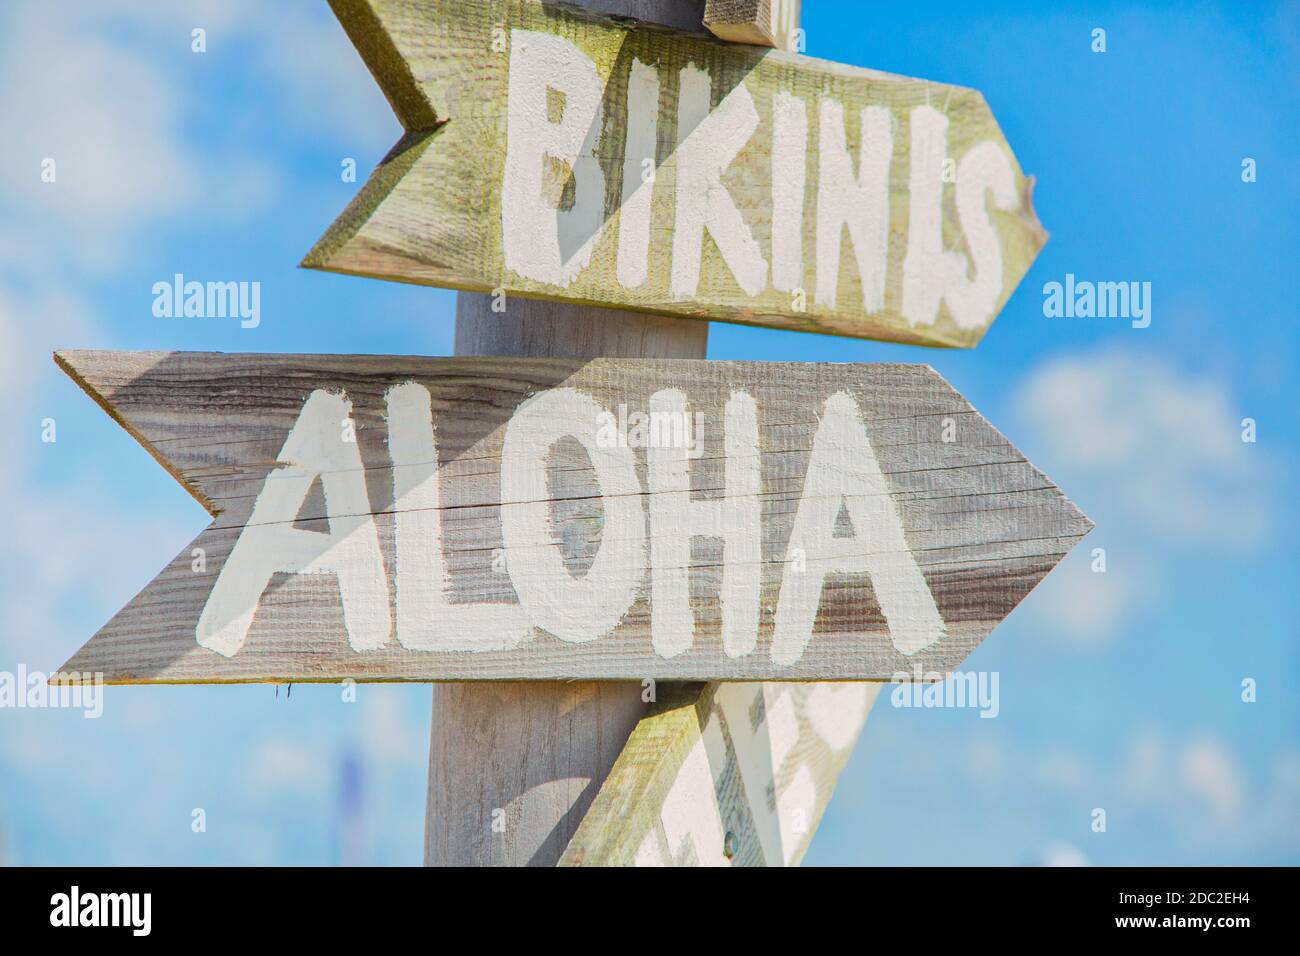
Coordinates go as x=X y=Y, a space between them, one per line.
x=724 y=774
x=397 y=518
x=557 y=154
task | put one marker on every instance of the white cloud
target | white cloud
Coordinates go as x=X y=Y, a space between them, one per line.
x=1148 y=447
x=1191 y=786
x=1211 y=773
x=1063 y=854
x=110 y=92
x=1076 y=603
x=31 y=327
x=106 y=90
x=64 y=550
x=1197 y=781
x=1154 y=456
x=315 y=78
x=109 y=121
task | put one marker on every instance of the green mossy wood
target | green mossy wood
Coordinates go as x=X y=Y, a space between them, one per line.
x=432 y=212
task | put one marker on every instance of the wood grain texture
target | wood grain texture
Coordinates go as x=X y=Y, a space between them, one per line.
x=514 y=766
x=760 y=22
x=724 y=774
x=982 y=525
x=536 y=327
x=433 y=211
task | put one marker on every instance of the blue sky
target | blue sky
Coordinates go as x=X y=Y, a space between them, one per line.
x=1119 y=690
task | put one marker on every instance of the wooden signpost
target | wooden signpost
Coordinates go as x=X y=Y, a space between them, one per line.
x=557 y=154
x=388 y=518
x=656 y=596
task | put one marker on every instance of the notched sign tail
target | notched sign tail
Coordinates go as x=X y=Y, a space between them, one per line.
x=95 y=372
x=377 y=39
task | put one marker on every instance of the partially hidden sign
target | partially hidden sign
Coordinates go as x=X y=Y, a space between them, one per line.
x=558 y=154
x=401 y=518
x=724 y=775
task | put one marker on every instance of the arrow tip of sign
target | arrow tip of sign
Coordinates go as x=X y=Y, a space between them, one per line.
x=1079 y=525
x=1084 y=523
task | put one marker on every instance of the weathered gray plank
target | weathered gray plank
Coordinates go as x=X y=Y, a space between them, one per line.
x=857 y=203
x=980 y=525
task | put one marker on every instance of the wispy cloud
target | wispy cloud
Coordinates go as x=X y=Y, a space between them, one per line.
x=99 y=145
x=1190 y=791
x=313 y=77
x=1157 y=448
x=1088 y=607
x=104 y=92
x=1154 y=455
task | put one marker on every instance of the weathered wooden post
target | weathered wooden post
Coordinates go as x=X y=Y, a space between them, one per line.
x=514 y=766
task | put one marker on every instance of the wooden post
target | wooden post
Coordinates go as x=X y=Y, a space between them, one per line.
x=513 y=767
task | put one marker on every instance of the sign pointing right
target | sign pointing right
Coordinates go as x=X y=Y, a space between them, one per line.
x=555 y=519
x=557 y=154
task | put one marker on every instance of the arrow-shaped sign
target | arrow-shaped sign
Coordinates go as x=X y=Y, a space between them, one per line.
x=557 y=154
x=724 y=774
x=400 y=518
